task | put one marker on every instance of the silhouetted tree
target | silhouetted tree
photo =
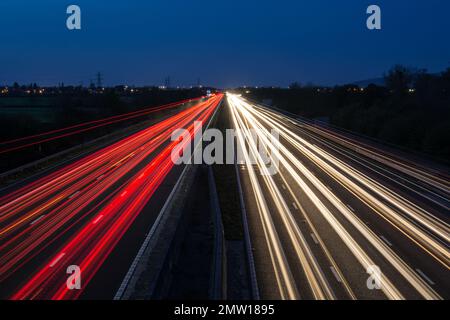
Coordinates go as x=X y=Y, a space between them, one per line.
x=295 y=85
x=418 y=121
x=399 y=79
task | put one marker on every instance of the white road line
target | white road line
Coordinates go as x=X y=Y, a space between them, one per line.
x=283 y=186
x=73 y=195
x=36 y=220
x=313 y=236
x=338 y=278
x=295 y=206
x=57 y=259
x=350 y=207
x=423 y=275
x=98 y=219
x=386 y=240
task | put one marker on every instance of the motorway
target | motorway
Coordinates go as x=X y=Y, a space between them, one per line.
x=339 y=219
x=93 y=213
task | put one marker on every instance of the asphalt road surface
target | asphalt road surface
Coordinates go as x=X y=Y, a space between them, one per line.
x=336 y=218
x=92 y=214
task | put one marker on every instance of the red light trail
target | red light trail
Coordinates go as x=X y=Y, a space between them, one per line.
x=83 y=127
x=100 y=196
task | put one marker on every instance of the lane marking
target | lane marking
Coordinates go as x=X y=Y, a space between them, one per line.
x=121 y=160
x=333 y=270
x=73 y=195
x=295 y=206
x=30 y=215
x=98 y=219
x=283 y=186
x=313 y=236
x=423 y=275
x=36 y=220
x=55 y=261
x=386 y=240
x=37 y=293
x=350 y=207
x=123 y=193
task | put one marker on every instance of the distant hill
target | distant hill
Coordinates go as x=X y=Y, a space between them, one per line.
x=364 y=83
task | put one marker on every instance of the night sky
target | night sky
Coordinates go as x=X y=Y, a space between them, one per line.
x=224 y=43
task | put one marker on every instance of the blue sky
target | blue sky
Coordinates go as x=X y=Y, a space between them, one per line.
x=224 y=43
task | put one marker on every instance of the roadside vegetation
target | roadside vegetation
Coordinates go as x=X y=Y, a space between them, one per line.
x=411 y=110
x=28 y=115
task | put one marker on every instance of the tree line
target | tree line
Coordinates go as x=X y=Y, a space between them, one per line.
x=411 y=109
